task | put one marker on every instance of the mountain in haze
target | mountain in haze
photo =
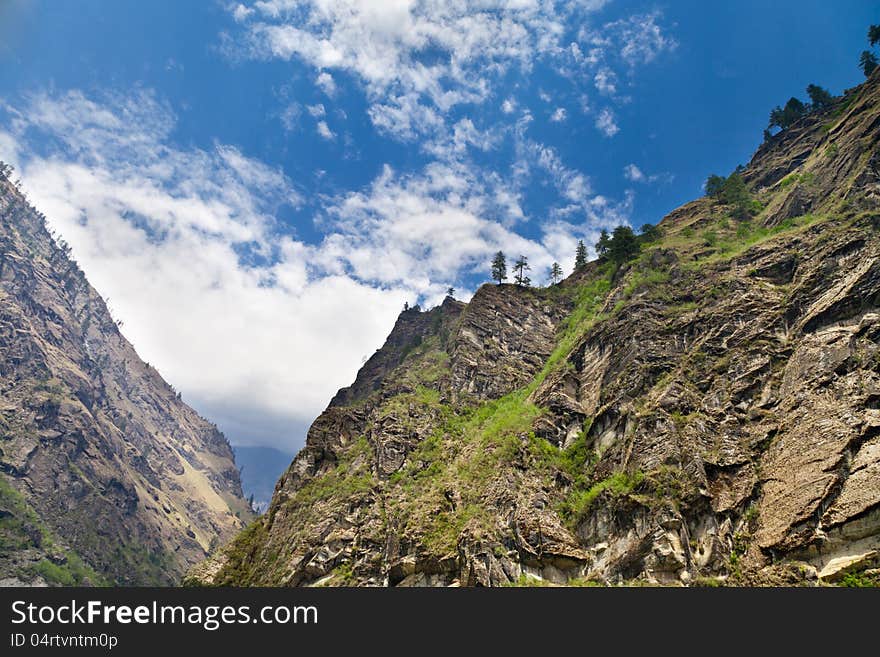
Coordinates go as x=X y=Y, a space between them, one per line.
x=701 y=409
x=260 y=468
x=106 y=476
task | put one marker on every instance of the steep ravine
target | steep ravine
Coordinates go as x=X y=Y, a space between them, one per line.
x=704 y=413
x=106 y=476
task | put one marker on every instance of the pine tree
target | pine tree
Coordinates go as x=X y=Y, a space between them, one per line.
x=554 y=273
x=819 y=97
x=650 y=233
x=735 y=193
x=603 y=243
x=580 y=255
x=714 y=185
x=521 y=266
x=450 y=292
x=623 y=245
x=783 y=117
x=499 y=268
x=874 y=35
x=868 y=62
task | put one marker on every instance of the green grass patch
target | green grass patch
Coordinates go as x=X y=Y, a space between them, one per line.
x=243 y=552
x=19 y=521
x=71 y=573
x=578 y=502
x=589 y=299
x=733 y=243
x=463 y=455
x=348 y=478
x=576 y=460
x=707 y=582
x=54 y=573
x=861 y=580
x=681 y=308
x=806 y=178
x=433 y=366
x=21 y=528
x=642 y=279
x=399 y=405
x=343 y=575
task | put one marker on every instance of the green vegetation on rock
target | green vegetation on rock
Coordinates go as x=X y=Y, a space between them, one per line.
x=21 y=531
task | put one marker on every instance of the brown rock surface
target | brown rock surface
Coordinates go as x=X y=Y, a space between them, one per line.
x=708 y=411
x=100 y=461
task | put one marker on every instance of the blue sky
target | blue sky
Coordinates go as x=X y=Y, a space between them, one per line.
x=259 y=187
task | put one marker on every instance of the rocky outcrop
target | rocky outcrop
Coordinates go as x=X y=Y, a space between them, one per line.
x=105 y=474
x=503 y=339
x=411 y=328
x=704 y=413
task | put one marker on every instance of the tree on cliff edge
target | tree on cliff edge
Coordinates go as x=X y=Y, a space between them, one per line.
x=521 y=266
x=580 y=255
x=819 y=98
x=868 y=62
x=499 y=268
x=603 y=243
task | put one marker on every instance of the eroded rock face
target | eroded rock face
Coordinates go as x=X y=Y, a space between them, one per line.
x=411 y=328
x=117 y=470
x=502 y=340
x=710 y=409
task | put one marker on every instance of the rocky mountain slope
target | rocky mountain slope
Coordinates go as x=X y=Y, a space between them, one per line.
x=106 y=476
x=706 y=412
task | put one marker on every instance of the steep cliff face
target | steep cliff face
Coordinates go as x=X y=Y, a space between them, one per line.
x=705 y=412
x=106 y=476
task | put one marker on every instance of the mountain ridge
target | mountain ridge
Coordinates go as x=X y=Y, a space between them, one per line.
x=704 y=413
x=106 y=475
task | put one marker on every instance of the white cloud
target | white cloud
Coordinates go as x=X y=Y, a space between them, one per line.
x=165 y=233
x=559 y=115
x=384 y=41
x=317 y=110
x=452 y=146
x=577 y=200
x=326 y=83
x=642 y=38
x=607 y=123
x=605 y=81
x=412 y=231
x=9 y=149
x=405 y=118
x=325 y=131
x=241 y=13
x=418 y=60
x=290 y=116
x=257 y=328
x=573 y=186
x=584 y=102
x=611 y=54
x=632 y=173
